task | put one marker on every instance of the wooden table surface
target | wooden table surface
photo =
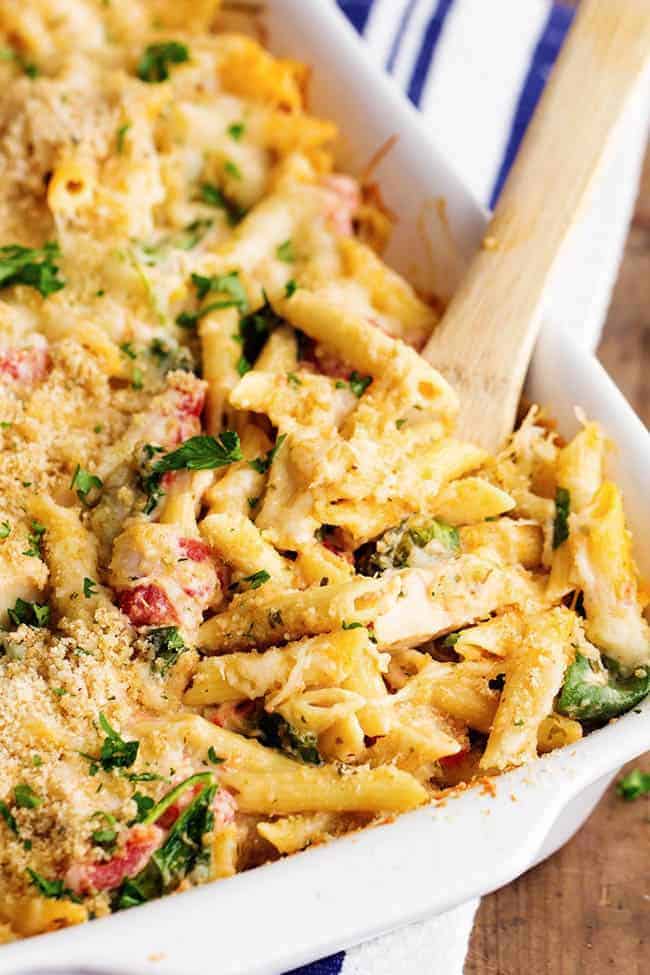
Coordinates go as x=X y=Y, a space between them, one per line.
x=586 y=910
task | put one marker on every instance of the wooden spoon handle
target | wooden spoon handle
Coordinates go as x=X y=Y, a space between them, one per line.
x=485 y=340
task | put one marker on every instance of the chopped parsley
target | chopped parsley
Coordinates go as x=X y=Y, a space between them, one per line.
x=232 y=169
x=202 y=453
x=121 y=136
x=253 y=502
x=6 y=814
x=155 y=62
x=35 y=267
x=52 y=889
x=115 y=752
x=634 y=785
x=29 y=68
x=262 y=464
x=5 y=529
x=253 y=581
x=400 y=423
x=236 y=130
x=144 y=805
x=359 y=384
x=90 y=587
x=294 y=380
x=33 y=614
x=224 y=284
x=215 y=197
x=290 y=288
x=196 y=454
x=127 y=349
x=25 y=797
x=228 y=284
x=168 y=645
x=284 y=252
x=35 y=538
x=561 y=521
x=254 y=330
x=351 y=626
x=213 y=757
x=137 y=378
x=85 y=484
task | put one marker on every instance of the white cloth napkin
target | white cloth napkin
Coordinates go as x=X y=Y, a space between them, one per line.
x=476 y=69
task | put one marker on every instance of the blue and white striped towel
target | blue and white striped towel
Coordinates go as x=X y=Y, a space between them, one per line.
x=476 y=69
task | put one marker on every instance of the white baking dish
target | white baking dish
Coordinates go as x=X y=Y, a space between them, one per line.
x=319 y=901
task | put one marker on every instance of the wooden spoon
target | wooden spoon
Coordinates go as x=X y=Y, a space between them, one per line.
x=485 y=340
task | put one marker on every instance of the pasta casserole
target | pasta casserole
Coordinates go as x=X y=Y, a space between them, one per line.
x=254 y=593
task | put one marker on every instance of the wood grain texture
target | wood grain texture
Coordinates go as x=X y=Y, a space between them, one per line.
x=586 y=910
x=485 y=339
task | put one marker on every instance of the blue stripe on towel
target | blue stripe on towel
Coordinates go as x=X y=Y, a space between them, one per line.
x=431 y=38
x=397 y=41
x=326 y=966
x=357 y=12
x=543 y=59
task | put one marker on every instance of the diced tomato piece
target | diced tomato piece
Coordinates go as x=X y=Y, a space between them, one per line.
x=141 y=842
x=26 y=366
x=147 y=605
x=449 y=761
x=194 y=549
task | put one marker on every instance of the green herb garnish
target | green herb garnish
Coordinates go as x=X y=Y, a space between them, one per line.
x=52 y=889
x=9 y=819
x=156 y=60
x=215 y=197
x=359 y=384
x=262 y=464
x=35 y=267
x=276 y=732
x=167 y=645
x=25 y=797
x=202 y=453
x=85 y=484
x=561 y=520
x=634 y=785
x=253 y=581
x=183 y=850
x=90 y=587
x=284 y=252
x=33 y=614
x=115 y=752
x=236 y=130
x=35 y=538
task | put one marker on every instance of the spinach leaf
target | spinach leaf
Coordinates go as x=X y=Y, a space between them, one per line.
x=594 y=694
x=179 y=855
x=52 y=889
x=395 y=548
x=276 y=732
